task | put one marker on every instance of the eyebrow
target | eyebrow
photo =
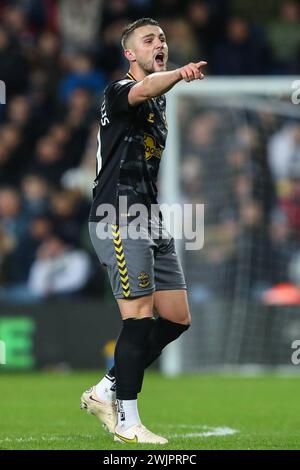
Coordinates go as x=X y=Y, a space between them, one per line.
x=152 y=35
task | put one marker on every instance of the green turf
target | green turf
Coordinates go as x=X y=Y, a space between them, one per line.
x=41 y=411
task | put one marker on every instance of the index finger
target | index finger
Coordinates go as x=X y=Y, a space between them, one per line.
x=201 y=63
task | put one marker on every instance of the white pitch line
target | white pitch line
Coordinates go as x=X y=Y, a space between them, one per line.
x=219 y=431
x=189 y=426
x=202 y=430
x=45 y=438
x=208 y=431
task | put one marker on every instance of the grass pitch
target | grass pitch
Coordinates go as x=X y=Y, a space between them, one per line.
x=41 y=411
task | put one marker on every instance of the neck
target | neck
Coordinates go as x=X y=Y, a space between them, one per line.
x=137 y=73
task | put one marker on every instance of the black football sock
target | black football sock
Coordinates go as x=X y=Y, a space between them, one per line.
x=162 y=333
x=130 y=355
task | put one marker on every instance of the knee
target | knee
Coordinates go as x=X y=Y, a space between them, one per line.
x=183 y=318
x=186 y=320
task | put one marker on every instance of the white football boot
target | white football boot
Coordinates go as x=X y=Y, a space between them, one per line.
x=104 y=410
x=138 y=434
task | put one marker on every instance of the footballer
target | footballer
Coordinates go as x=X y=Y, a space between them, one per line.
x=145 y=273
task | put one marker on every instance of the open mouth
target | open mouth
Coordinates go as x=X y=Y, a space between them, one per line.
x=159 y=58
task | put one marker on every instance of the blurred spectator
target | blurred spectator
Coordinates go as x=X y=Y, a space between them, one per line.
x=218 y=263
x=10 y=139
x=242 y=52
x=237 y=160
x=18 y=111
x=41 y=14
x=35 y=191
x=294 y=269
x=71 y=137
x=78 y=22
x=10 y=136
x=48 y=162
x=60 y=133
x=108 y=51
x=82 y=76
x=207 y=20
x=182 y=42
x=37 y=231
x=191 y=176
x=57 y=270
x=31 y=120
x=15 y=21
x=48 y=63
x=254 y=146
x=291 y=205
x=284 y=36
x=115 y=11
x=284 y=150
x=79 y=178
x=200 y=142
x=282 y=245
x=6 y=171
x=7 y=245
x=21 y=116
x=69 y=212
x=253 y=240
x=14 y=66
x=79 y=105
x=78 y=119
x=12 y=219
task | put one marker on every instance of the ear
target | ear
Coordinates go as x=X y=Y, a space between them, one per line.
x=130 y=55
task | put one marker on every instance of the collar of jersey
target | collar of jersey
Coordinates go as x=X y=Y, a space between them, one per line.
x=129 y=75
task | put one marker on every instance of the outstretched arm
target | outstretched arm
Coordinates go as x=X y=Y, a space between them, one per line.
x=159 y=83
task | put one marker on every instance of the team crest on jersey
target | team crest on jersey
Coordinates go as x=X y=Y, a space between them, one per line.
x=144 y=279
x=151 y=150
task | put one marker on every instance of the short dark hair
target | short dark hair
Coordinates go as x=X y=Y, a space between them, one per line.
x=136 y=24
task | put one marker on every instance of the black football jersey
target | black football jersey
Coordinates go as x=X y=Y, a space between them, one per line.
x=131 y=141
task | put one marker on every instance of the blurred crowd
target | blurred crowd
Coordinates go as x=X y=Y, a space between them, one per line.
x=244 y=165
x=56 y=57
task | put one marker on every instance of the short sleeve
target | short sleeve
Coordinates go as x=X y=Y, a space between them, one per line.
x=116 y=96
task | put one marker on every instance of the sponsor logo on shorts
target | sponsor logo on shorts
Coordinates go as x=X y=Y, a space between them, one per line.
x=144 y=279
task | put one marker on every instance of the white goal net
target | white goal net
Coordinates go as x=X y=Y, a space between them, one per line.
x=234 y=146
